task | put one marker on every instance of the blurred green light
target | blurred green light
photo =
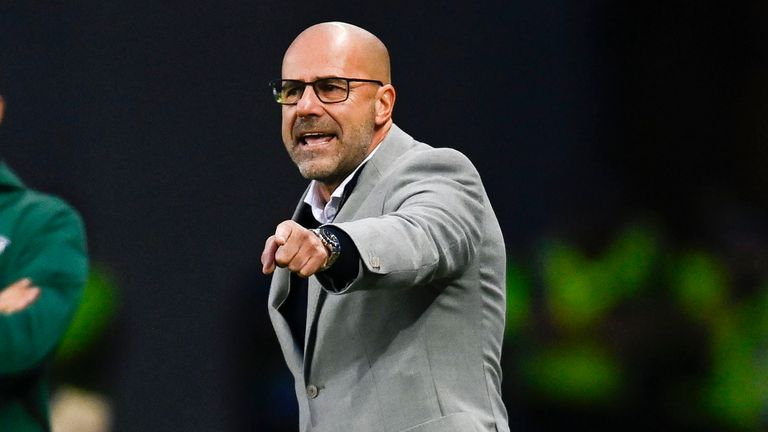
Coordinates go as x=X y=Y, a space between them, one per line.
x=97 y=309
x=699 y=283
x=578 y=374
x=581 y=291
x=518 y=299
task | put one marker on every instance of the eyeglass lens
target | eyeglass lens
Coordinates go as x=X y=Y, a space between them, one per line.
x=326 y=89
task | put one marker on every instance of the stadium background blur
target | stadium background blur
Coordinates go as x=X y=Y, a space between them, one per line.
x=623 y=144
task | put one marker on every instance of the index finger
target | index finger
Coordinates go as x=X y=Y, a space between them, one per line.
x=284 y=231
x=268 y=255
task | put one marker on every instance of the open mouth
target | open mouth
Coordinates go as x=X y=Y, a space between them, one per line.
x=315 y=138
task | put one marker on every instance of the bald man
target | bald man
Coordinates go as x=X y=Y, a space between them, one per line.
x=43 y=267
x=388 y=286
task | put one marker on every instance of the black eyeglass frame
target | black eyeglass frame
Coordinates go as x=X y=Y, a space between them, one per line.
x=277 y=85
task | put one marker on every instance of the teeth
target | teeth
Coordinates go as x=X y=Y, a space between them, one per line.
x=316 y=138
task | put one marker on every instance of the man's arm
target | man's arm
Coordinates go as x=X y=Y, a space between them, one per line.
x=430 y=228
x=50 y=251
x=431 y=224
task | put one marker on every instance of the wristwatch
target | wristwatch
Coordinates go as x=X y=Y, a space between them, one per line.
x=331 y=243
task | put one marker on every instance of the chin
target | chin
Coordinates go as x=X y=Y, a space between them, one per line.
x=311 y=171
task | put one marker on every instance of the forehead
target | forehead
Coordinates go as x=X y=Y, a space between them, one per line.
x=316 y=56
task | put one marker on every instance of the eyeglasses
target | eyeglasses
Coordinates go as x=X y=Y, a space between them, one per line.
x=328 y=90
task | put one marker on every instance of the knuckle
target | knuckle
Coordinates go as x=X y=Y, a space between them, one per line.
x=280 y=260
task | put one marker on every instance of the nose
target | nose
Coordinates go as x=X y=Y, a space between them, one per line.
x=309 y=104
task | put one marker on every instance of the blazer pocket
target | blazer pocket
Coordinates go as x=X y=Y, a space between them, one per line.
x=456 y=422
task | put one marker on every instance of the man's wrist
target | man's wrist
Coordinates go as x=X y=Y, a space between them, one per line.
x=331 y=243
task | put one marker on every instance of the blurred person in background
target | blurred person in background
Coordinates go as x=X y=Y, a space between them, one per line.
x=43 y=268
x=394 y=258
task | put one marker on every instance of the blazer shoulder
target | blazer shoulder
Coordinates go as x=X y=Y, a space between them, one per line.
x=435 y=159
x=399 y=148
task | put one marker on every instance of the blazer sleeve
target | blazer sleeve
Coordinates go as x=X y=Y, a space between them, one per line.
x=53 y=254
x=430 y=223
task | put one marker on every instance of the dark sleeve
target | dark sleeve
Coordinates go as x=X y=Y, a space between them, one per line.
x=346 y=267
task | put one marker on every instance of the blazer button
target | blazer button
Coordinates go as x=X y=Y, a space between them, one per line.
x=312 y=391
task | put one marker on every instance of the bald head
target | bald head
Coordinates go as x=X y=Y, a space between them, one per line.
x=337 y=45
x=328 y=140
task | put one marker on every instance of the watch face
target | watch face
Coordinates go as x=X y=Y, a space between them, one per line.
x=331 y=242
x=334 y=242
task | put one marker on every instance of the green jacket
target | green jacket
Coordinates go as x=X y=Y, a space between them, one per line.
x=41 y=238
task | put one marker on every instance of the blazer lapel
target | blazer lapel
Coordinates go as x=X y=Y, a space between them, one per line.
x=277 y=295
x=314 y=304
x=280 y=289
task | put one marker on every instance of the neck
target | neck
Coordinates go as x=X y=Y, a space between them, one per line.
x=326 y=190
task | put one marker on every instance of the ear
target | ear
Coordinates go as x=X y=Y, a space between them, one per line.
x=385 y=104
x=2 y=108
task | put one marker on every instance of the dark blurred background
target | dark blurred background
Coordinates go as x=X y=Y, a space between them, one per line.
x=623 y=144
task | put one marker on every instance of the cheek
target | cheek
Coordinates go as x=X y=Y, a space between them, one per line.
x=287 y=127
x=363 y=114
x=347 y=121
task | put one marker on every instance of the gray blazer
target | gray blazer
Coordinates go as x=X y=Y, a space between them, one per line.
x=413 y=343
